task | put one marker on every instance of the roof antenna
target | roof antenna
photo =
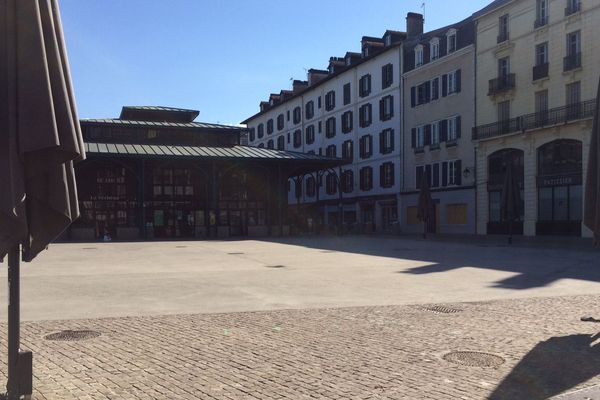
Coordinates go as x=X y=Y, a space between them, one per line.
x=423 y=7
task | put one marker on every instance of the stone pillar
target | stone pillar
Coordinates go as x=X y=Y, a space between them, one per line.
x=482 y=211
x=530 y=189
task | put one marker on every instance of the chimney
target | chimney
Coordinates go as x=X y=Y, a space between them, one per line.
x=298 y=86
x=264 y=105
x=336 y=64
x=414 y=24
x=315 y=75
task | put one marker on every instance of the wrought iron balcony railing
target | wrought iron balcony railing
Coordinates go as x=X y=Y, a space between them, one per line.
x=572 y=61
x=503 y=37
x=540 y=71
x=501 y=84
x=554 y=116
x=541 y=21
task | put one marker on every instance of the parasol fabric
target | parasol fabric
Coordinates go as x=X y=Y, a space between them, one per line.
x=40 y=136
x=592 y=186
x=511 y=196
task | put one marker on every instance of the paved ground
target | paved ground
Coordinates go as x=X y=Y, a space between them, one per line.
x=386 y=352
x=342 y=319
x=130 y=279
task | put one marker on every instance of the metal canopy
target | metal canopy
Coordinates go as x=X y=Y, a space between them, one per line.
x=302 y=162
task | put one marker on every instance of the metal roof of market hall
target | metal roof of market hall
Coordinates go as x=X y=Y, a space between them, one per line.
x=160 y=124
x=201 y=152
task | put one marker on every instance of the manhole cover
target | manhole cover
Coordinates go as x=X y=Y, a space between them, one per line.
x=72 y=336
x=235 y=254
x=442 y=309
x=474 y=359
x=90 y=248
x=275 y=266
x=181 y=247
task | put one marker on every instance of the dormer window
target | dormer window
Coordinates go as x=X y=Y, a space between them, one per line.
x=452 y=42
x=435 y=49
x=388 y=40
x=419 y=55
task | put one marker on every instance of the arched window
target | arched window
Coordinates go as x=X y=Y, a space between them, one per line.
x=560 y=157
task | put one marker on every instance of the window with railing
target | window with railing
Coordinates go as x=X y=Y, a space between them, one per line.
x=541 y=68
x=573 y=6
x=573 y=58
x=541 y=13
x=503 y=28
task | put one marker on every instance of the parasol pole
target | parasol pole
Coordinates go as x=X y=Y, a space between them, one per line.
x=14 y=320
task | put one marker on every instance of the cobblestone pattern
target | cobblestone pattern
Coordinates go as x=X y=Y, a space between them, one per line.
x=392 y=352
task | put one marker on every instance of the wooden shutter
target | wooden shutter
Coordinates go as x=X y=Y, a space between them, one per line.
x=419 y=177
x=381 y=175
x=458 y=126
x=458 y=172
x=413 y=96
x=458 y=80
x=436 y=175
x=370 y=139
x=427 y=134
x=382 y=142
x=381 y=110
x=391 y=140
x=413 y=138
x=444 y=85
x=445 y=173
x=427 y=91
x=428 y=172
x=443 y=130
x=391 y=106
x=443 y=45
x=383 y=77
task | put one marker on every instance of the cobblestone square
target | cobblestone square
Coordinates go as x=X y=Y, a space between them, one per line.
x=301 y=331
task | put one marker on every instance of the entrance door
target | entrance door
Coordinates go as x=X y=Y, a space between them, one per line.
x=389 y=217
x=237 y=222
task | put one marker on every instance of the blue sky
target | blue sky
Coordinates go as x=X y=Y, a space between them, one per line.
x=221 y=57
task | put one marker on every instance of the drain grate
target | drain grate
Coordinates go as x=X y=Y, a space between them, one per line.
x=275 y=266
x=89 y=248
x=474 y=359
x=235 y=254
x=72 y=336
x=181 y=247
x=442 y=309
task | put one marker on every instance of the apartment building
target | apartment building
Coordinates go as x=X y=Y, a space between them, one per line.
x=438 y=82
x=351 y=110
x=537 y=69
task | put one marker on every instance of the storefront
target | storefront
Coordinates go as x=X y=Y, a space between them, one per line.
x=560 y=190
x=497 y=164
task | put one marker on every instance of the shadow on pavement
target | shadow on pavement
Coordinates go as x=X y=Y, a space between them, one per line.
x=533 y=267
x=550 y=368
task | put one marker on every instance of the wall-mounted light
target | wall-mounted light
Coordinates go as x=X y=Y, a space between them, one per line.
x=467 y=172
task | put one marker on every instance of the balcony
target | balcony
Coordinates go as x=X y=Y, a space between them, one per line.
x=572 y=62
x=501 y=84
x=554 y=116
x=572 y=8
x=541 y=21
x=540 y=71
x=502 y=37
